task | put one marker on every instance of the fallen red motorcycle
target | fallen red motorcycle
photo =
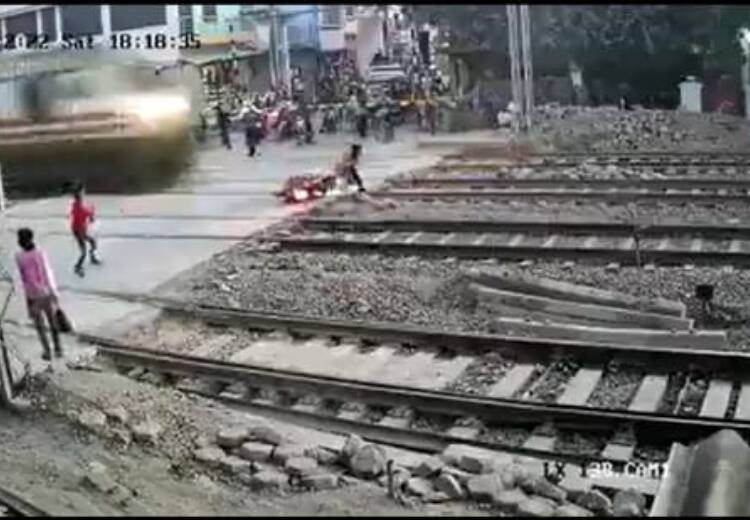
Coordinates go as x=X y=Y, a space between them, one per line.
x=304 y=188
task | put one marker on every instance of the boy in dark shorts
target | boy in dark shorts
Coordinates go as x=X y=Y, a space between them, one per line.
x=81 y=215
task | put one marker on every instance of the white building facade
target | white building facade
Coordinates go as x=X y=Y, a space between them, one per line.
x=103 y=22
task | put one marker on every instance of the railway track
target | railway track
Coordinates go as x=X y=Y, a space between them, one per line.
x=532 y=227
x=582 y=241
x=639 y=159
x=248 y=385
x=689 y=184
x=677 y=190
x=329 y=372
x=14 y=505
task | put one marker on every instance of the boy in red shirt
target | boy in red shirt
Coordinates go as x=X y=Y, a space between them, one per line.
x=80 y=217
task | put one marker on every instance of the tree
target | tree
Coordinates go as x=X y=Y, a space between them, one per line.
x=651 y=46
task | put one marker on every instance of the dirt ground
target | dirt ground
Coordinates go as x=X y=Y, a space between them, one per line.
x=46 y=455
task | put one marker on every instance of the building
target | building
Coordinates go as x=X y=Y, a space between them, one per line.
x=103 y=22
x=230 y=40
x=235 y=38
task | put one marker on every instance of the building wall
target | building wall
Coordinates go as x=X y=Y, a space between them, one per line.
x=332 y=39
x=332 y=31
x=369 y=40
x=302 y=25
x=258 y=79
x=72 y=20
x=229 y=24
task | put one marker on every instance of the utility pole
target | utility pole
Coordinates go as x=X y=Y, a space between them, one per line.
x=515 y=66
x=744 y=39
x=284 y=53
x=528 y=71
x=272 y=46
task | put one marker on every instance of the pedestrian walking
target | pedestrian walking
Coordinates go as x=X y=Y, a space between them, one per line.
x=251 y=119
x=81 y=215
x=361 y=121
x=431 y=115
x=40 y=290
x=347 y=166
x=222 y=120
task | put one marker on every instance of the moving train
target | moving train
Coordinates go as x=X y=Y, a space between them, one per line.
x=112 y=120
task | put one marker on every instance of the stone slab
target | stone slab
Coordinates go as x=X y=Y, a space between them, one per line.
x=572 y=292
x=716 y=400
x=512 y=381
x=649 y=394
x=580 y=387
x=600 y=313
x=616 y=336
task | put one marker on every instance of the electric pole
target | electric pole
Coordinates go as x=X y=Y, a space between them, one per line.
x=528 y=71
x=272 y=46
x=515 y=68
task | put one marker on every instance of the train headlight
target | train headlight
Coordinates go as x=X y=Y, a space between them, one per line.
x=152 y=110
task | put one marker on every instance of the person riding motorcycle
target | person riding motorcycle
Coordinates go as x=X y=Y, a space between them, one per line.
x=328 y=126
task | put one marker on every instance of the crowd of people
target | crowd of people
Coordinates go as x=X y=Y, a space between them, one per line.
x=342 y=101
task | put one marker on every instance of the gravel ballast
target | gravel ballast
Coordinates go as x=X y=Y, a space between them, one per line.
x=432 y=292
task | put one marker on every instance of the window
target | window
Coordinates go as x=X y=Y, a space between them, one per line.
x=81 y=20
x=128 y=16
x=331 y=16
x=209 y=13
x=186 y=19
x=294 y=35
x=21 y=24
x=49 y=23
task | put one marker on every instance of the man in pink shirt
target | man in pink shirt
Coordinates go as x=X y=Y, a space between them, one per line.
x=40 y=289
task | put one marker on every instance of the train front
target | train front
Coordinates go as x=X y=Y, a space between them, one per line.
x=116 y=127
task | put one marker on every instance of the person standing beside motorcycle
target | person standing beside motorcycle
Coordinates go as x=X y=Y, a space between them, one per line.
x=346 y=167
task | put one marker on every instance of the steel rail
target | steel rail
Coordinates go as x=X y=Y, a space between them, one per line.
x=646 y=153
x=684 y=183
x=20 y=505
x=415 y=439
x=657 y=167
x=618 y=196
x=514 y=347
x=520 y=252
x=529 y=226
x=433 y=401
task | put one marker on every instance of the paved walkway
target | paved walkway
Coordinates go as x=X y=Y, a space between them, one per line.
x=145 y=240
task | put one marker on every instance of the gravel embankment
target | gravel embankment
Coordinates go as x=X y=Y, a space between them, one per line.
x=610 y=129
x=488 y=210
x=692 y=394
x=480 y=375
x=616 y=388
x=514 y=437
x=670 y=400
x=551 y=384
x=367 y=288
x=432 y=293
x=580 y=444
